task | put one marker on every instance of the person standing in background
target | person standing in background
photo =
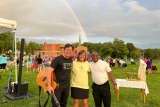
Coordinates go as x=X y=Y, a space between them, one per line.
x=50 y=60
x=35 y=64
x=111 y=62
x=46 y=62
x=3 y=62
x=114 y=62
x=149 y=66
x=39 y=60
x=29 y=63
x=145 y=59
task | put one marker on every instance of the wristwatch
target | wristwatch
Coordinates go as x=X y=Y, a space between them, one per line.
x=115 y=84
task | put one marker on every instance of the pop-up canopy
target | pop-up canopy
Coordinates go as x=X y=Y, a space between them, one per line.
x=20 y=92
x=9 y=26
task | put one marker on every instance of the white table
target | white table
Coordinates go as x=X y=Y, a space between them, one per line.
x=133 y=84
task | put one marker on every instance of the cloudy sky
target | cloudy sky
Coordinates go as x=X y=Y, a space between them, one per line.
x=62 y=21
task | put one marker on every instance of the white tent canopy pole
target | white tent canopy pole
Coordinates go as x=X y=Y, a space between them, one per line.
x=15 y=55
x=10 y=26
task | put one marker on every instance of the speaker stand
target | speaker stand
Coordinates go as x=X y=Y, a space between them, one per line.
x=18 y=96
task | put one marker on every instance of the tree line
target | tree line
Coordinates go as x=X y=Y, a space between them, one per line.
x=115 y=49
x=7 y=44
x=118 y=49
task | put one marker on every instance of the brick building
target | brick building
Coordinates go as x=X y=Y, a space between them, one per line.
x=53 y=50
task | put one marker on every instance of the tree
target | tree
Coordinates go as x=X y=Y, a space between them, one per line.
x=2 y=46
x=135 y=54
x=31 y=46
x=75 y=44
x=6 y=42
x=90 y=46
x=18 y=45
x=133 y=51
x=156 y=53
x=106 y=49
x=120 y=49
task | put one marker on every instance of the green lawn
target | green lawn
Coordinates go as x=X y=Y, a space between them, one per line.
x=129 y=97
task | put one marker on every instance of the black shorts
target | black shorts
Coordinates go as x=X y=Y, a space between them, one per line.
x=113 y=64
x=79 y=93
x=3 y=66
x=124 y=65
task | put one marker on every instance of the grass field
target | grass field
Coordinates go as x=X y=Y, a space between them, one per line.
x=129 y=97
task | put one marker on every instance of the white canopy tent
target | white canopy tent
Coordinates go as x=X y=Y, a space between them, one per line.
x=9 y=26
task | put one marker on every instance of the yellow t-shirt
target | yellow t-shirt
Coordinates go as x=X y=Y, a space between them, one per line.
x=80 y=74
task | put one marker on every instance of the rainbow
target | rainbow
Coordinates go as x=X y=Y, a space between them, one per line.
x=77 y=20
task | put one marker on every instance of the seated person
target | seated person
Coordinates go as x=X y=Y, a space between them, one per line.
x=132 y=61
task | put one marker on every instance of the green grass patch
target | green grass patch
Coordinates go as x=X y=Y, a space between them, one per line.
x=129 y=97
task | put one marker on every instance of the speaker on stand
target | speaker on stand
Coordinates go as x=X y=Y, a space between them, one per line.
x=18 y=90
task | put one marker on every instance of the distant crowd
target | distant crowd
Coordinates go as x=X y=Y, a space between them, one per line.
x=32 y=63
